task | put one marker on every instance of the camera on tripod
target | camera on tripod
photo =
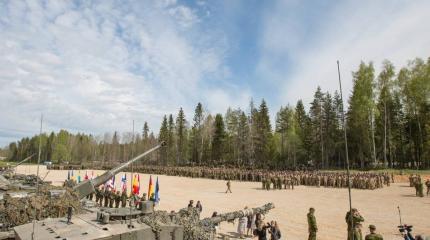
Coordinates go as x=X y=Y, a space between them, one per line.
x=405 y=228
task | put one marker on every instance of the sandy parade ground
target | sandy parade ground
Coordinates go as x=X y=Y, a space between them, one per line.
x=378 y=207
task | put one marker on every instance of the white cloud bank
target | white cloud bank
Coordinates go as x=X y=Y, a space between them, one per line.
x=96 y=67
x=351 y=31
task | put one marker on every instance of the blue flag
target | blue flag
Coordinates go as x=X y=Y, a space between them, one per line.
x=157 y=192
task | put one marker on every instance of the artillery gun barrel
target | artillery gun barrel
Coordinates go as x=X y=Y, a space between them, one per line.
x=87 y=187
x=23 y=161
x=238 y=214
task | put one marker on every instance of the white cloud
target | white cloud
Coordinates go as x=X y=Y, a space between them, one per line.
x=96 y=67
x=349 y=32
x=218 y=100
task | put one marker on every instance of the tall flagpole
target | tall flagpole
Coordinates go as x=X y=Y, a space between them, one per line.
x=37 y=177
x=131 y=177
x=346 y=149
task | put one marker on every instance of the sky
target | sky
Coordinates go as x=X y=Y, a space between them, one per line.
x=97 y=66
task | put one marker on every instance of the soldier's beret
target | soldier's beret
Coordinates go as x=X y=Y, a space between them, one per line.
x=371 y=226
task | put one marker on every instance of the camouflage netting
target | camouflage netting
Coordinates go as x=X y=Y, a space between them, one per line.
x=194 y=228
x=17 y=211
x=188 y=218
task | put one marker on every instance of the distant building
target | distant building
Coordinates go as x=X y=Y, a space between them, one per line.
x=2 y=158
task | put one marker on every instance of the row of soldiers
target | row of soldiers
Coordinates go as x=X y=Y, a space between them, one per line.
x=326 y=179
x=109 y=197
x=278 y=179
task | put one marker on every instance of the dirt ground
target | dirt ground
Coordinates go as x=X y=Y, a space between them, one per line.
x=378 y=207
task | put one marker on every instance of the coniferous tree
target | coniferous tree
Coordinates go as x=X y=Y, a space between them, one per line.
x=181 y=136
x=164 y=136
x=218 y=140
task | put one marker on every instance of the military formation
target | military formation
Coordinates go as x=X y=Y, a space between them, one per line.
x=278 y=179
x=109 y=197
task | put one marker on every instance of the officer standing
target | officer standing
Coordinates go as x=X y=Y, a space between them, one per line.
x=312 y=224
x=228 y=186
x=373 y=235
x=354 y=230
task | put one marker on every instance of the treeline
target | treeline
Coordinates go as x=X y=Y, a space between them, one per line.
x=388 y=124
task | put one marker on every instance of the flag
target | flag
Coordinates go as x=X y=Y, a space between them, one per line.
x=111 y=183
x=68 y=175
x=150 y=188
x=79 y=176
x=92 y=174
x=135 y=186
x=124 y=182
x=73 y=175
x=157 y=192
x=86 y=175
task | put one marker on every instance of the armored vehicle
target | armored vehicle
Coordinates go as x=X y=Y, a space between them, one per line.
x=90 y=221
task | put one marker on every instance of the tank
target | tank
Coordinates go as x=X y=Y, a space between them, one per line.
x=19 y=203
x=121 y=223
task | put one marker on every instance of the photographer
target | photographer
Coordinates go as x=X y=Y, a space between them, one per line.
x=406 y=230
x=275 y=233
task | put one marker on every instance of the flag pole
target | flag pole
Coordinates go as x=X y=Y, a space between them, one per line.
x=131 y=175
x=346 y=149
x=37 y=177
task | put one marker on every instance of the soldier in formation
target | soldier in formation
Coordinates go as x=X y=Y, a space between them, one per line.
x=428 y=186
x=124 y=198
x=278 y=179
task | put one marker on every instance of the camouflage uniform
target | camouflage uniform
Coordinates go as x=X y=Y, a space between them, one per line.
x=354 y=231
x=312 y=226
x=123 y=199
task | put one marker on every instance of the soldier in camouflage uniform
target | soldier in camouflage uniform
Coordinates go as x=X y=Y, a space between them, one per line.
x=373 y=235
x=428 y=186
x=124 y=198
x=419 y=187
x=312 y=225
x=117 y=197
x=354 y=230
x=111 y=198
x=97 y=194
x=106 y=195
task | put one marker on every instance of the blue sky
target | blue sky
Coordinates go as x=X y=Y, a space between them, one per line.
x=94 y=66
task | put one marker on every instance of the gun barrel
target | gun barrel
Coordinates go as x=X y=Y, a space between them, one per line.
x=23 y=161
x=87 y=187
x=238 y=214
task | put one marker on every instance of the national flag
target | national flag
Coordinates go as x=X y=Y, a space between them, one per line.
x=86 y=175
x=111 y=183
x=157 y=192
x=133 y=185
x=73 y=175
x=124 y=182
x=150 y=187
x=92 y=174
x=79 y=176
x=68 y=174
